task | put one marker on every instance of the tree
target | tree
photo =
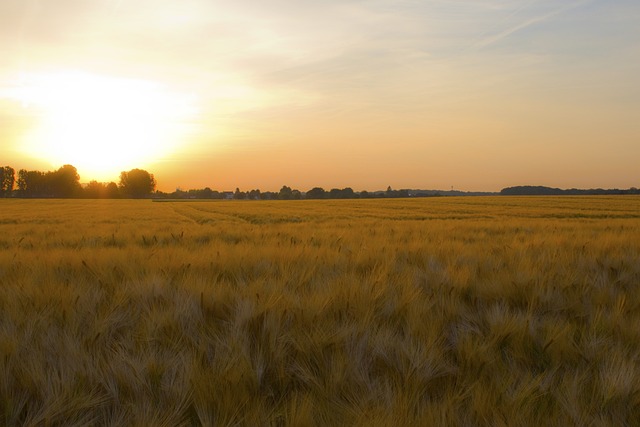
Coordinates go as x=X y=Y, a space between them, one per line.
x=111 y=191
x=94 y=190
x=345 y=193
x=101 y=190
x=239 y=195
x=64 y=182
x=268 y=195
x=22 y=181
x=206 y=193
x=389 y=192
x=137 y=183
x=285 y=193
x=316 y=193
x=254 y=194
x=32 y=184
x=7 y=180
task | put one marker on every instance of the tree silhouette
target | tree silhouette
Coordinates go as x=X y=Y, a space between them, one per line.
x=316 y=193
x=345 y=193
x=101 y=190
x=254 y=194
x=239 y=195
x=137 y=183
x=32 y=184
x=94 y=190
x=285 y=193
x=64 y=182
x=7 y=180
x=111 y=191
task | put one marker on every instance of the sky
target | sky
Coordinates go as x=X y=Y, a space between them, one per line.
x=432 y=94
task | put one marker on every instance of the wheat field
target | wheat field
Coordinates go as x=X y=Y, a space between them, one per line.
x=482 y=311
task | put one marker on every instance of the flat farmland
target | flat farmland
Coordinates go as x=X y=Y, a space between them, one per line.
x=480 y=311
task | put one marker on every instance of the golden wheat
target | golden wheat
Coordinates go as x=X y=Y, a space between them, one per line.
x=442 y=311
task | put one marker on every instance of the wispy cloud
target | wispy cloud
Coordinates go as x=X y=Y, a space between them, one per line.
x=492 y=39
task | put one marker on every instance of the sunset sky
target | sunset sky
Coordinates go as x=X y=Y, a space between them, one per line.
x=478 y=95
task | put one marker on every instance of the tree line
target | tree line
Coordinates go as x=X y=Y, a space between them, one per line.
x=285 y=193
x=138 y=183
x=537 y=190
x=65 y=183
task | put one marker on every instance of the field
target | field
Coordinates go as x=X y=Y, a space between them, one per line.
x=442 y=311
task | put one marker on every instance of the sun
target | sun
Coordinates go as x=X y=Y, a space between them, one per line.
x=103 y=125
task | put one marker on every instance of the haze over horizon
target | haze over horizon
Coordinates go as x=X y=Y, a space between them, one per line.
x=413 y=94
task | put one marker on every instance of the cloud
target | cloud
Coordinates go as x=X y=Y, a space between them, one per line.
x=487 y=41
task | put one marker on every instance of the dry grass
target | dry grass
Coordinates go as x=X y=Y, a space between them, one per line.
x=447 y=311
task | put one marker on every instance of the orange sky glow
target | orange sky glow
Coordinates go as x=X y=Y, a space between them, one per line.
x=258 y=94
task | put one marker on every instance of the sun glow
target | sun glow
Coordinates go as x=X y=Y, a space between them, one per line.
x=103 y=125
